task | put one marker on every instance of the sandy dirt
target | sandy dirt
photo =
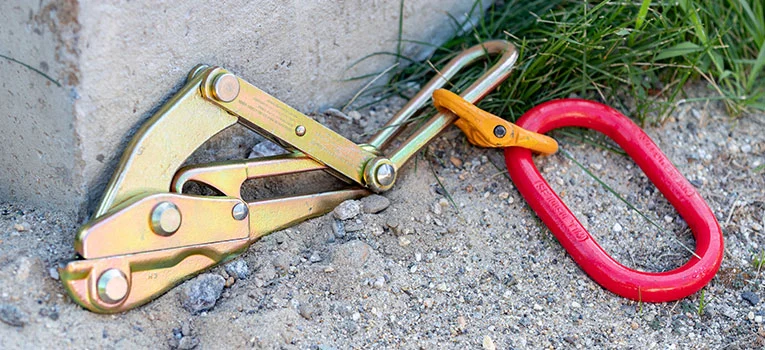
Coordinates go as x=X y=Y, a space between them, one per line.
x=483 y=272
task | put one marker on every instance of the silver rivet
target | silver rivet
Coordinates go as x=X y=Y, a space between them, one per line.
x=385 y=174
x=112 y=286
x=500 y=131
x=165 y=219
x=300 y=130
x=226 y=87
x=240 y=211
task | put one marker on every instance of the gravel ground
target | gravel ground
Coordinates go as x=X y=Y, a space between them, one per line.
x=411 y=270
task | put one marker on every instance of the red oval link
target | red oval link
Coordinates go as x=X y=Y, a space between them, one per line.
x=601 y=267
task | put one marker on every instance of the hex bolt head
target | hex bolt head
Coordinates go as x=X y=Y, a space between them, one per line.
x=225 y=87
x=165 y=219
x=385 y=174
x=112 y=286
x=300 y=130
x=240 y=211
x=500 y=131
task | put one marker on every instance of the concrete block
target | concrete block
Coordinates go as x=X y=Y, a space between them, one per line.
x=79 y=76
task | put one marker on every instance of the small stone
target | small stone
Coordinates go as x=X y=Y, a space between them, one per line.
x=352 y=254
x=187 y=343
x=230 y=281
x=53 y=273
x=461 y=323
x=538 y=307
x=413 y=269
x=634 y=325
x=436 y=208
x=338 y=228
x=374 y=204
x=315 y=257
x=238 y=268
x=428 y=303
x=441 y=287
x=758 y=319
x=746 y=148
x=355 y=115
x=503 y=195
x=456 y=161
x=488 y=344
x=337 y=113
x=575 y=305
x=347 y=210
x=404 y=241
x=750 y=315
x=282 y=261
x=201 y=293
x=617 y=227
x=12 y=316
x=329 y=269
x=356 y=316
x=186 y=329
x=22 y=227
x=265 y=149
x=510 y=200
x=307 y=311
x=750 y=297
x=667 y=219
x=418 y=257
x=379 y=282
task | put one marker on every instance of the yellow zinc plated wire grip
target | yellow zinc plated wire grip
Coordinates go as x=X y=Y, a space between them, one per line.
x=146 y=235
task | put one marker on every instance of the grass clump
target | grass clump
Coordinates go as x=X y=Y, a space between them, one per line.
x=614 y=52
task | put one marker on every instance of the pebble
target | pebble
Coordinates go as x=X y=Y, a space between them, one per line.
x=379 y=282
x=201 y=293
x=352 y=254
x=12 y=316
x=758 y=319
x=575 y=305
x=315 y=257
x=22 y=227
x=238 y=269
x=488 y=344
x=441 y=287
x=667 y=219
x=282 y=261
x=53 y=272
x=338 y=113
x=750 y=297
x=307 y=311
x=374 y=204
x=461 y=323
x=503 y=195
x=265 y=149
x=456 y=161
x=617 y=227
x=404 y=241
x=347 y=210
x=428 y=303
x=750 y=315
x=355 y=115
x=187 y=343
x=538 y=307
x=436 y=208
x=634 y=325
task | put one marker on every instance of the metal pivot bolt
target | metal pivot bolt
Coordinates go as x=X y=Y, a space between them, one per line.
x=500 y=131
x=379 y=174
x=300 y=130
x=226 y=87
x=385 y=174
x=240 y=211
x=165 y=219
x=112 y=286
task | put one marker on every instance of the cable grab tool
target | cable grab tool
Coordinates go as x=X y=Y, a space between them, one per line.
x=147 y=236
